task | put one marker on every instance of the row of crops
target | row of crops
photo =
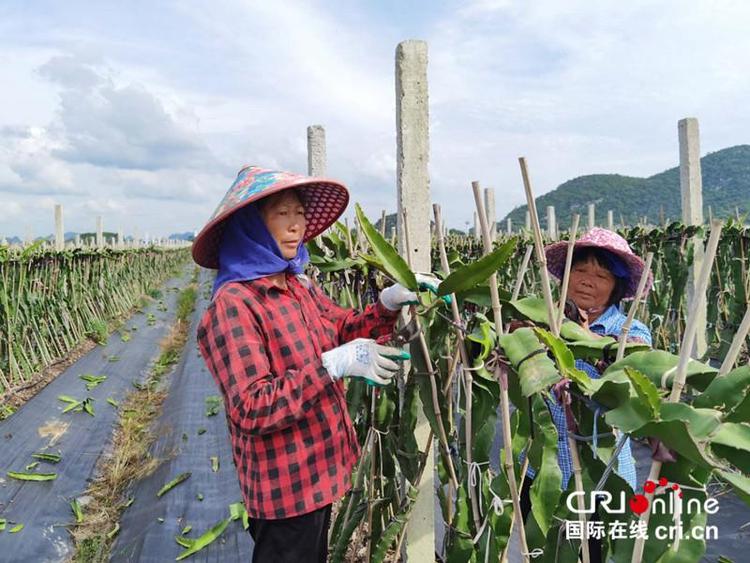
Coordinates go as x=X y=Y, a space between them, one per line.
x=50 y=301
x=465 y=364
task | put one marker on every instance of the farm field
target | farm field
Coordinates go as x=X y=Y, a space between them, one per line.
x=188 y=434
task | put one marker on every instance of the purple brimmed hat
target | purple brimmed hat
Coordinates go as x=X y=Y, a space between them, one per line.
x=324 y=200
x=606 y=240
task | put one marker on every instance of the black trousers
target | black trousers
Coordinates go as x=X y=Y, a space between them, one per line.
x=595 y=545
x=300 y=539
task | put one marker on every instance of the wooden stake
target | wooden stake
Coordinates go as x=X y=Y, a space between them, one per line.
x=468 y=378
x=576 y=462
x=634 y=307
x=428 y=361
x=522 y=271
x=566 y=274
x=737 y=342
x=508 y=460
x=688 y=340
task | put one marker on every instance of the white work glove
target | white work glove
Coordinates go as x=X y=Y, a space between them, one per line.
x=364 y=358
x=396 y=296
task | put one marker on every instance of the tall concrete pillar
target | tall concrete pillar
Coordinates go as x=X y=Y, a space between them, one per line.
x=528 y=220
x=413 y=182
x=316 y=150
x=477 y=227
x=59 y=228
x=592 y=216
x=489 y=205
x=691 y=188
x=611 y=220
x=551 y=223
x=99 y=232
x=509 y=226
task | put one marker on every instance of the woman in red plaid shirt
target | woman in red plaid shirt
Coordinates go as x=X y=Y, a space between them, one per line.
x=278 y=349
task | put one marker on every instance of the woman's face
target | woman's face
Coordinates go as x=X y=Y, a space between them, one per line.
x=284 y=216
x=591 y=284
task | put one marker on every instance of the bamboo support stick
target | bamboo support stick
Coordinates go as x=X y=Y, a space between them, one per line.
x=575 y=459
x=369 y=444
x=465 y=363
x=371 y=483
x=522 y=271
x=688 y=339
x=539 y=246
x=508 y=460
x=428 y=362
x=631 y=313
x=737 y=342
x=566 y=275
x=452 y=370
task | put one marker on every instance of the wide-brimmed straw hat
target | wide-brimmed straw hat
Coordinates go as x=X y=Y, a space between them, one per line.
x=606 y=240
x=324 y=200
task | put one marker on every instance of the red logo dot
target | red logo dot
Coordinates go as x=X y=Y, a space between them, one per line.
x=649 y=486
x=638 y=504
x=675 y=487
x=663 y=481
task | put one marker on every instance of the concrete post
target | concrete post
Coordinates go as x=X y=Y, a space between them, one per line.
x=551 y=223
x=59 y=228
x=99 y=232
x=120 y=238
x=413 y=183
x=611 y=220
x=489 y=205
x=691 y=188
x=509 y=225
x=316 y=150
x=528 y=221
x=382 y=223
x=592 y=216
x=477 y=227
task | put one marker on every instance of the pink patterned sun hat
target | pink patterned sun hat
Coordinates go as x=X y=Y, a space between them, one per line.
x=606 y=240
x=324 y=200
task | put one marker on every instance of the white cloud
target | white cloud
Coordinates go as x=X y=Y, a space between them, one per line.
x=10 y=210
x=119 y=126
x=144 y=119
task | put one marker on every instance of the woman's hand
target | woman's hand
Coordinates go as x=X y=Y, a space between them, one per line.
x=397 y=296
x=365 y=358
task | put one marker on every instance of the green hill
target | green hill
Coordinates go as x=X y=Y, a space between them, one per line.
x=726 y=187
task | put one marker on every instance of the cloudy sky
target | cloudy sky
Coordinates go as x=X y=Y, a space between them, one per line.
x=143 y=112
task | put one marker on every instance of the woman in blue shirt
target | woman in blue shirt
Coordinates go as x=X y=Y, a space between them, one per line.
x=604 y=271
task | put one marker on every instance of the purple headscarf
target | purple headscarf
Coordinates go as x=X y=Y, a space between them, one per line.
x=248 y=251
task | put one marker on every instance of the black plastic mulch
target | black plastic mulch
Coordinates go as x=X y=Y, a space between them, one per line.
x=39 y=426
x=143 y=536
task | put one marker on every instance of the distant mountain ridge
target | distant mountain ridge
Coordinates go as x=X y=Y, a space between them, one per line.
x=726 y=187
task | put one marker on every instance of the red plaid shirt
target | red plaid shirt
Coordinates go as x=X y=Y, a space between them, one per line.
x=293 y=442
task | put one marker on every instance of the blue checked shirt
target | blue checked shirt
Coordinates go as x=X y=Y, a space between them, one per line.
x=609 y=323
